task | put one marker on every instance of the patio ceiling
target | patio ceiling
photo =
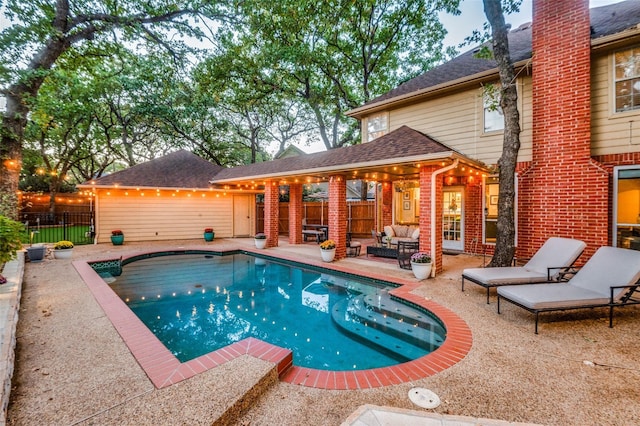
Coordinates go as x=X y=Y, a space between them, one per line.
x=397 y=155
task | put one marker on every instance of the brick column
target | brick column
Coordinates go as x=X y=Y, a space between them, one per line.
x=387 y=203
x=271 y=213
x=566 y=192
x=295 y=213
x=426 y=236
x=338 y=214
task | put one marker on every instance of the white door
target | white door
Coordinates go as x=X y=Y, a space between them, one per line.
x=242 y=215
x=452 y=219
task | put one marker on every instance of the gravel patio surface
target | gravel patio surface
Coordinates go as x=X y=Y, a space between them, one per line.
x=72 y=367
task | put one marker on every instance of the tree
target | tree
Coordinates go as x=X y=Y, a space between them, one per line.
x=335 y=56
x=505 y=239
x=47 y=31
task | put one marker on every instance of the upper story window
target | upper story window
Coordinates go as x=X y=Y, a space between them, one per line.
x=377 y=125
x=627 y=79
x=493 y=116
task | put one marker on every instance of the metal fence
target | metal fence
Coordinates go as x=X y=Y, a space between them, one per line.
x=77 y=227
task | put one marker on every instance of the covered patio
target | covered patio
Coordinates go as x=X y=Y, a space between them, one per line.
x=392 y=161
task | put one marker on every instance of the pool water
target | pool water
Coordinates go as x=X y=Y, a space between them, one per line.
x=196 y=304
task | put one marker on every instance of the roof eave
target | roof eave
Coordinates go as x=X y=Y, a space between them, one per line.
x=354 y=166
x=416 y=95
x=612 y=40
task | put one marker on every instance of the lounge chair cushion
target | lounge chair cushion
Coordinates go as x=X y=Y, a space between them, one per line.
x=555 y=295
x=503 y=276
x=555 y=252
x=609 y=266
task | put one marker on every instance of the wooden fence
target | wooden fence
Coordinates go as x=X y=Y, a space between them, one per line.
x=360 y=216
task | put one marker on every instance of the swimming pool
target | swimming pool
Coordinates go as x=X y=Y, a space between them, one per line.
x=198 y=303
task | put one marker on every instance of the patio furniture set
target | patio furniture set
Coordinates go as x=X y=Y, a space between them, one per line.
x=401 y=249
x=549 y=281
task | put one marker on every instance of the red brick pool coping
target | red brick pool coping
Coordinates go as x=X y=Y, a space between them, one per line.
x=164 y=369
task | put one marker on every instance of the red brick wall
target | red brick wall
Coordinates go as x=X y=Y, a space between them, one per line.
x=472 y=218
x=338 y=214
x=565 y=191
x=295 y=213
x=425 y=215
x=271 y=213
x=387 y=203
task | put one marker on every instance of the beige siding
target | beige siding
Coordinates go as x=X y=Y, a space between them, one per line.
x=165 y=217
x=457 y=121
x=611 y=132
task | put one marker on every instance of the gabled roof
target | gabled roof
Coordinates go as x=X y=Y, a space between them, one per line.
x=401 y=146
x=605 y=21
x=291 y=151
x=180 y=169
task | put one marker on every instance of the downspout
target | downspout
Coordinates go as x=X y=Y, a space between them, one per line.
x=433 y=210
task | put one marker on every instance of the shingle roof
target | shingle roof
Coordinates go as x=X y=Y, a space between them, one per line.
x=605 y=20
x=180 y=169
x=399 y=144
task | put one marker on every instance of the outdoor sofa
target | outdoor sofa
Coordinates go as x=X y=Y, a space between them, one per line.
x=555 y=256
x=609 y=279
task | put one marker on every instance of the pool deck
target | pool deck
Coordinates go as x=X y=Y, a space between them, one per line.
x=73 y=367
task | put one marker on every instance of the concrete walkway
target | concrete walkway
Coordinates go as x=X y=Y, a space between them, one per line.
x=72 y=367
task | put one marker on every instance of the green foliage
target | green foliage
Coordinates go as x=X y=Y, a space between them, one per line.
x=10 y=233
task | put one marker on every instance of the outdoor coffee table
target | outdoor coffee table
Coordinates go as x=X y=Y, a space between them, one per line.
x=383 y=251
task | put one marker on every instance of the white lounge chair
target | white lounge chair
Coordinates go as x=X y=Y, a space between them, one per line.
x=610 y=278
x=555 y=256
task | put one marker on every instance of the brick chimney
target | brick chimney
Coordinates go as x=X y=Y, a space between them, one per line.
x=565 y=192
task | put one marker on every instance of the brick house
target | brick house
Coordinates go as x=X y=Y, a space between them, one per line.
x=579 y=97
x=579 y=162
x=431 y=146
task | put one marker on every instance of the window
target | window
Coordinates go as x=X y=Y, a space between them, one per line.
x=491 y=186
x=493 y=116
x=626 y=207
x=377 y=125
x=627 y=79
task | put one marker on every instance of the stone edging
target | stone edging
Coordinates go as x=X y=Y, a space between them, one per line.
x=9 y=307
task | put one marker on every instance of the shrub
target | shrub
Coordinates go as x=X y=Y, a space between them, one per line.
x=116 y=232
x=10 y=232
x=260 y=236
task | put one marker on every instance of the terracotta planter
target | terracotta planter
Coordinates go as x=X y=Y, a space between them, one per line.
x=63 y=253
x=421 y=270
x=328 y=255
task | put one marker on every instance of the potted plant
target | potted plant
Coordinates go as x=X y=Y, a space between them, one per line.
x=36 y=252
x=117 y=237
x=260 y=240
x=63 y=249
x=421 y=265
x=209 y=234
x=328 y=250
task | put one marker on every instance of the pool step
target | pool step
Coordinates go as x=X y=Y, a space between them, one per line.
x=392 y=325
x=393 y=346
x=426 y=335
x=383 y=303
